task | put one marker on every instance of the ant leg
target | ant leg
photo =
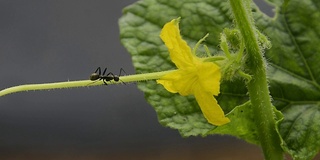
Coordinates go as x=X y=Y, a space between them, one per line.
x=122 y=70
x=110 y=73
x=98 y=69
x=104 y=71
x=105 y=82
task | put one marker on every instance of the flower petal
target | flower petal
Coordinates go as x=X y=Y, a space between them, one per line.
x=180 y=52
x=168 y=81
x=180 y=81
x=209 y=77
x=194 y=76
x=210 y=108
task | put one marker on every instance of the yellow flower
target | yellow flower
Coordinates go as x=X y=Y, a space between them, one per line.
x=194 y=76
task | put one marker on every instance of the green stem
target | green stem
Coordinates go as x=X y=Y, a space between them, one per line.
x=82 y=83
x=258 y=86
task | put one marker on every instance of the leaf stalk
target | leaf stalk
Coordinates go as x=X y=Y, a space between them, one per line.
x=258 y=86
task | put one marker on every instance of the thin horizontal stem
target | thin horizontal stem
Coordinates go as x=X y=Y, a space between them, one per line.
x=82 y=83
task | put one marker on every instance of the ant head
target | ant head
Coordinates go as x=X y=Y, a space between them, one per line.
x=116 y=78
x=94 y=76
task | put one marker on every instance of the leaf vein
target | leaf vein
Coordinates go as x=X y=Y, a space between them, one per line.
x=294 y=122
x=286 y=25
x=293 y=74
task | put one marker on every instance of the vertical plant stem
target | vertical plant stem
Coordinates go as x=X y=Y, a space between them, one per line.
x=258 y=86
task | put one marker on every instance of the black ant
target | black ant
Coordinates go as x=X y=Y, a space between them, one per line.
x=105 y=78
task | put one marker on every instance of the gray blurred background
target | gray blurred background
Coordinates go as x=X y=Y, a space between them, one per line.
x=48 y=41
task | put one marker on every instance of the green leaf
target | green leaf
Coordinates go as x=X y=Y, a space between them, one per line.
x=294 y=73
x=242 y=123
x=140 y=28
x=293 y=69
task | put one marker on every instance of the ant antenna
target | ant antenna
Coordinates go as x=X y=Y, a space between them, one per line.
x=118 y=77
